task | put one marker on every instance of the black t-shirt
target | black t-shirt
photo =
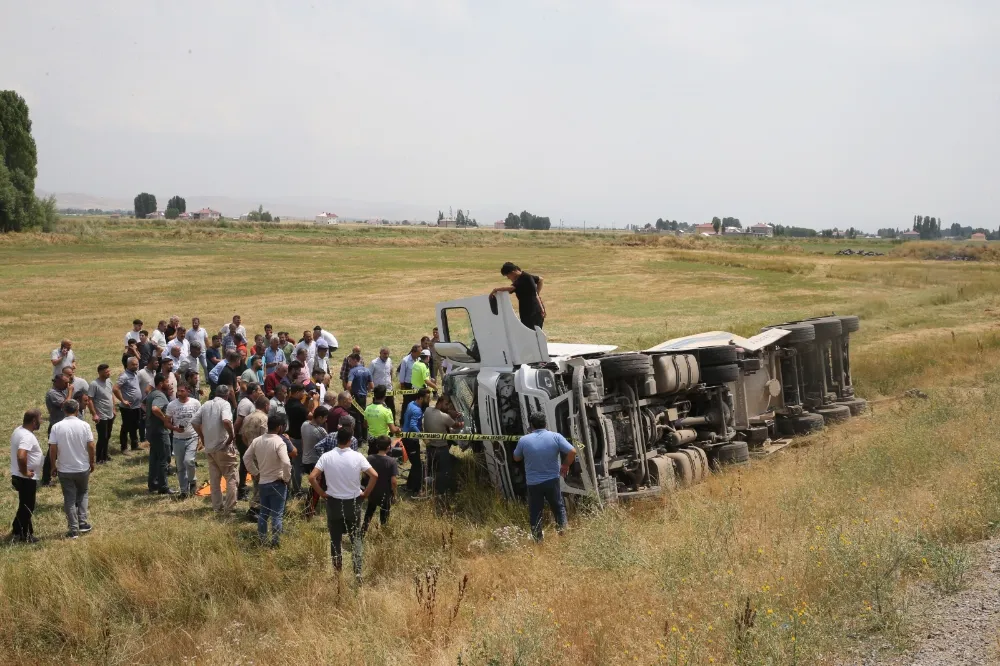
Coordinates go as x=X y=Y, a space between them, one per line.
x=227 y=376
x=169 y=334
x=527 y=296
x=386 y=468
x=297 y=415
x=212 y=357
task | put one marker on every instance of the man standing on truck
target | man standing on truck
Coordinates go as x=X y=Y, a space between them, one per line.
x=528 y=289
x=540 y=452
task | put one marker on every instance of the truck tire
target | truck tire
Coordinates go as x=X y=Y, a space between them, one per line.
x=661 y=469
x=682 y=469
x=803 y=424
x=722 y=355
x=716 y=375
x=702 y=459
x=856 y=405
x=834 y=413
x=697 y=476
x=826 y=327
x=734 y=453
x=849 y=323
x=797 y=333
x=626 y=365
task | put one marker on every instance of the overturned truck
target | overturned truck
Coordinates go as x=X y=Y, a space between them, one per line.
x=643 y=422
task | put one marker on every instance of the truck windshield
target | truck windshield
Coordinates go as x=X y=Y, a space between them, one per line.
x=461 y=388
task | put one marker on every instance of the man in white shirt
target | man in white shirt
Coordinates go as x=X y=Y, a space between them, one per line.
x=159 y=337
x=245 y=408
x=309 y=345
x=134 y=333
x=63 y=357
x=267 y=459
x=179 y=341
x=73 y=453
x=342 y=469
x=214 y=424
x=240 y=330
x=381 y=369
x=181 y=412
x=26 y=461
x=320 y=334
x=197 y=335
x=322 y=358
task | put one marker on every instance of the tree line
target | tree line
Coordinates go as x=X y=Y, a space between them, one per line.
x=20 y=209
x=526 y=220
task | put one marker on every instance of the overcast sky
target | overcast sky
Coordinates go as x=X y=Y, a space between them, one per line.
x=815 y=113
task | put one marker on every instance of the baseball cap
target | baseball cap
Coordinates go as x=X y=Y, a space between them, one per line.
x=425 y=352
x=322 y=344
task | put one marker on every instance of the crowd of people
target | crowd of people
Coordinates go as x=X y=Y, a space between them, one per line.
x=275 y=409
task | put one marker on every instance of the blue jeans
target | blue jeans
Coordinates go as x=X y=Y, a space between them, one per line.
x=546 y=491
x=272 y=505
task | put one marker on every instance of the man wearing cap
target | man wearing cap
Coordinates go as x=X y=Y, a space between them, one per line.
x=421 y=374
x=322 y=359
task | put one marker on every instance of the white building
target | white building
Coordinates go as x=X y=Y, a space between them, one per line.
x=158 y=215
x=326 y=218
x=206 y=214
x=762 y=229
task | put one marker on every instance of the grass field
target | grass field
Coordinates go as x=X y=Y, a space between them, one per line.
x=803 y=558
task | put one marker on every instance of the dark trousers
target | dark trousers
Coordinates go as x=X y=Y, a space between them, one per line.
x=390 y=402
x=382 y=503
x=26 y=490
x=533 y=321
x=130 y=428
x=158 y=459
x=360 y=425
x=407 y=399
x=142 y=424
x=538 y=494
x=104 y=427
x=416 y=478
x=441 y=464
x=344 y=517
x=241 y=448
x=47 y=465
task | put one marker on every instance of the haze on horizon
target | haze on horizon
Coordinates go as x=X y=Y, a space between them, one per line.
x=814 y=114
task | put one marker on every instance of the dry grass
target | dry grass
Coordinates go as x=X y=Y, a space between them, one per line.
x=797 y=559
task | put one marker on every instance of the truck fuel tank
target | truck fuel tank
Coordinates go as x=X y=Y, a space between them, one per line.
x=675 y=372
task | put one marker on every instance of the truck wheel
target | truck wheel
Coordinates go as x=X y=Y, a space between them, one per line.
x=722 y=355
x=626 y=365
x=802 y=424
x=826 y=327
x=702 y=457
x=682 y=469
x=796 y=333
x=734 y=453
x=661 y=471
x=720 y=374
x=849 y=323
x=834 y=413
x=856 y=405
x=696 y=473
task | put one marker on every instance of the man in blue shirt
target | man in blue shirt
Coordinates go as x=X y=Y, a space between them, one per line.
x=413 y=421
x=540 y=452
x=360 y=384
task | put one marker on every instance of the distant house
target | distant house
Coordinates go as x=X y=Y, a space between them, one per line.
x=705 y=228
x=374 y=222
x=978 y=236
x=157 y=215
x=206 y=214
x=447 y=222
x=184 y=216
x=765 y=230
x=910 y=234
x=326 y=218
x=500 y=224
